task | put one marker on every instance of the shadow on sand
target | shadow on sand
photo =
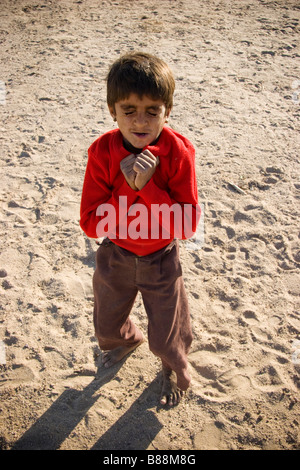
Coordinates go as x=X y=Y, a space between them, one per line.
x=135 y=430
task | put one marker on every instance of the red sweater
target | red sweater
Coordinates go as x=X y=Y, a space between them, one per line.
x=151 y=223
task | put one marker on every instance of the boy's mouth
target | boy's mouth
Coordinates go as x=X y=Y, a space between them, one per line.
x=140 y=134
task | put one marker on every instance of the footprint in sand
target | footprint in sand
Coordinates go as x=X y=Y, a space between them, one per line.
x=17 y=375
x=268 y=378
x=250 y=316
x=210 y=437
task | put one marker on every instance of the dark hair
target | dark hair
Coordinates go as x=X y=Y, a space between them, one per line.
x=142 y=74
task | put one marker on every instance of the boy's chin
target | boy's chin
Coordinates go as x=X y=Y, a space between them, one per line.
x=140 y=143
x=143 y=139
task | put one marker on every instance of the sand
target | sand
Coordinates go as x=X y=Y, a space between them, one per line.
x=236 y=65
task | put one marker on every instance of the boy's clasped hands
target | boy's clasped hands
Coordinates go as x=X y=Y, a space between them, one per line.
x=139 y=169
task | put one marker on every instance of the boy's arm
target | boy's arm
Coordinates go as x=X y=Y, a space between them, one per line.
x=126 y=166
x=176 y=209
x=145 y=165
x=100 y=203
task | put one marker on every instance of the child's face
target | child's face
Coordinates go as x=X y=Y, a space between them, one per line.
x=140 y=120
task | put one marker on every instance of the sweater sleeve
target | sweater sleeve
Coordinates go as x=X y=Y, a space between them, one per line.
x=100 y=208
x=176 y=209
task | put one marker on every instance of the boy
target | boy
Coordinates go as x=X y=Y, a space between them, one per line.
x=147 y=169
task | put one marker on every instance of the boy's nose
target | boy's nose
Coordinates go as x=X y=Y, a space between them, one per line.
x=140 y=119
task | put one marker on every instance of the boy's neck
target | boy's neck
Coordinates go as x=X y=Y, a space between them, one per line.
x=130 y=148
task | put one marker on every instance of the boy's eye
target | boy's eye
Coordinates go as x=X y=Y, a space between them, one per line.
x=129 y=113
x=150 y=113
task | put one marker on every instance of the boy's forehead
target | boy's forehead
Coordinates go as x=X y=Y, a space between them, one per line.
x=134 y=100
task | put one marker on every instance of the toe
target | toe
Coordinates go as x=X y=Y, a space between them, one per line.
x=164 y=400
x=106 y=359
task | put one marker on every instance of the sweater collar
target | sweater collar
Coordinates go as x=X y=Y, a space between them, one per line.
x=130 y=148
x=161 y=146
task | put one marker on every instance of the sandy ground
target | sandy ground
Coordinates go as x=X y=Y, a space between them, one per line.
x=236 y=65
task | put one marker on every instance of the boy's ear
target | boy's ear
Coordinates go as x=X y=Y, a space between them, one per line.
x=168 y=112
x=112 y=112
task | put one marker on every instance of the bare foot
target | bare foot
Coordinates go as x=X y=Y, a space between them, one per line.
x=171 y=393
x=109 y=358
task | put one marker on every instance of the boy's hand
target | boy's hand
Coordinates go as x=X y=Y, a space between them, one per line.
x=126 y=166
x=145 y=165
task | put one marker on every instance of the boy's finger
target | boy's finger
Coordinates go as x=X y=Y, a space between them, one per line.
x=149 y=159
x=130 y=158
x=127 y=162
x=141 y=166
x=148 y=154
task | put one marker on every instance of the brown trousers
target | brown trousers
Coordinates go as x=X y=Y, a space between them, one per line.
x=118 y=277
